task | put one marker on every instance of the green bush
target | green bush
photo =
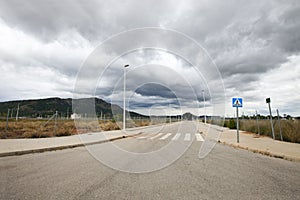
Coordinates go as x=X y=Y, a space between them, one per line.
x=230 y=124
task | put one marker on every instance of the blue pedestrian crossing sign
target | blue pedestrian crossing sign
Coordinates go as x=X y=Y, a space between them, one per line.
x=237 y=102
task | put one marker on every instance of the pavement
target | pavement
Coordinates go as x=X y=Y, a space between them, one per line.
x=249 y=141
x=10 y=147
x=261 y=144
x=84 y=173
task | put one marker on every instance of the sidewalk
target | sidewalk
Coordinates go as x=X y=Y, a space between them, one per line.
x=10 y=147
x=261 y=144
x=248 y=141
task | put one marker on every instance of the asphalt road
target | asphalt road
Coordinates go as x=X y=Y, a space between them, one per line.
x=226 y=173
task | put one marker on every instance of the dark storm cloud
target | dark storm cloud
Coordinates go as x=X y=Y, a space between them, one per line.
x=93 y=19
x=246 y=39
x=47 y=19
x=258 y=43
x=135 y=104
x=152 y=89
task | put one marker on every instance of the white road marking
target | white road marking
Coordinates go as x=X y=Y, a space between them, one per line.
x=145 y=136
x=199 y=137
x=187 y=137
x=142 y=137
x=156 y=136
x=176 y=136
x=165 y=136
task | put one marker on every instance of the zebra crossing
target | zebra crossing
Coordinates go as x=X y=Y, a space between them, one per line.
x=173 y=137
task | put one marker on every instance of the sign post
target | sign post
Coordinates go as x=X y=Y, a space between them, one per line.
x=268 y=101
x=237 y=102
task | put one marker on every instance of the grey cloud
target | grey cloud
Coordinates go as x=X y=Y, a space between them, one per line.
x=244 y=38
x=93 y=19
x=152 y=89
x=47 y=19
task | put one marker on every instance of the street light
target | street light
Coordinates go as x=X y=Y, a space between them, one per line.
x=124 y=99
x=204 y=106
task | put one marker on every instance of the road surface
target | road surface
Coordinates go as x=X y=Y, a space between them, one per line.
x=226 y=173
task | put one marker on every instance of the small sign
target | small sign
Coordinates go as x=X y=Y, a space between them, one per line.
x=237 y=102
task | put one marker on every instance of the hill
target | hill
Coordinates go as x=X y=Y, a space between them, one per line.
x=47 y=107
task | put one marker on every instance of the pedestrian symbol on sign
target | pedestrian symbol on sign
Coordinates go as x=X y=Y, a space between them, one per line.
x=237 y=102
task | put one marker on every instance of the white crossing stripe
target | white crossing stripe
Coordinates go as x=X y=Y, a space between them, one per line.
x=199 y=137
x=176 y=136
x=165 y=136
x=145 y=136
x=156 y=136
x=142 y=137
x=187 y=137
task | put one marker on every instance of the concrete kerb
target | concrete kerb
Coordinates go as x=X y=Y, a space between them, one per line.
x=40 y=150
x=254 y=150
x=267 y=153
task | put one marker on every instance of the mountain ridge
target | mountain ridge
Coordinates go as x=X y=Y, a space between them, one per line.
x=48 y=106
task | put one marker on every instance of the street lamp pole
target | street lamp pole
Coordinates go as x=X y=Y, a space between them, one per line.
x=204 y=106
x=124 y=99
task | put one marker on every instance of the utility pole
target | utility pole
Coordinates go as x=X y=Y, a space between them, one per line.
x=124 y=99
x=257 y=124
x=56 y=113
x=17 y=115
x=279 y=125
x=7 y=119
x=204 y=106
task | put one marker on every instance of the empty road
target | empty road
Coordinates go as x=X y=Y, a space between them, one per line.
x=226 y=173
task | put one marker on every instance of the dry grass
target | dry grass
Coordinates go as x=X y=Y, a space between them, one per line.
x=38 y=128
x=290 y=128
x=32 y=128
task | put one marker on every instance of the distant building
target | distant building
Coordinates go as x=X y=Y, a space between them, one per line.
x=75 y=116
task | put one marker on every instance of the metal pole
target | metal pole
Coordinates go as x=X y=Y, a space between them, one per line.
x=7 y=119
x=56 y=113
x=204 y=106
x=273 y=134
x=279 y=125
x=237 y=125
x=17 y=115
x=124 y=99
x=258 y=131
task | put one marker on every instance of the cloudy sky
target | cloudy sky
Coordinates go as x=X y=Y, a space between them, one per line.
x=249 y=49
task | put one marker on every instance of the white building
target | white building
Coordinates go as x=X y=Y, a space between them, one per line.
x=75 y=116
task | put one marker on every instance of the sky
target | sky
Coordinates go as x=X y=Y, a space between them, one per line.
x=175 y=49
